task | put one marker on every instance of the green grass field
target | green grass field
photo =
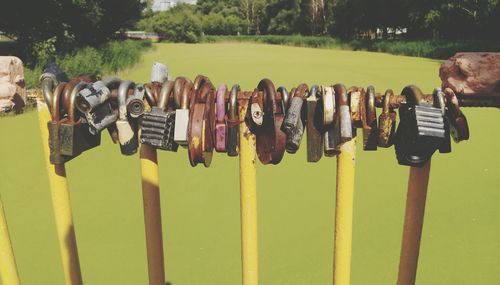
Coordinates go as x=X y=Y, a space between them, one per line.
x=460 y=242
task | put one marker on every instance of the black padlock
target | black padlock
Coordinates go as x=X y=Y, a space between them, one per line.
x=74 y=134
x=421 y=130
x=157 y=129
x=53 y=127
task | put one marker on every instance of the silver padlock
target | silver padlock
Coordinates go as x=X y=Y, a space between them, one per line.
x=127 y=136
x=182 y=116
x=159 y=72
x=135 y=103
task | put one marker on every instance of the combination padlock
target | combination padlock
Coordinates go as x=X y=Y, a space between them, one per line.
x=233 y=122
x=157 y=129
x=421 y=130
x=93 y=101
x=314 y=119
x=74 y=134
x=126 y=125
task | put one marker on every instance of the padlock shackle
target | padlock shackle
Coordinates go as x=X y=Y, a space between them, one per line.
x=439 y=100
x=199 y=81
x=187 y=91
x=122 y=98
x=329 y=106
x=233 y=103
x=72 y=99
x=166 y=90
x=269 y=100
x=56 y=102
x=313 y=91
x=178 y=87
x=285 y=97
x=49 y=83
x=388 y=95
x=149 y=95
x=159 y=72
x=221 y=106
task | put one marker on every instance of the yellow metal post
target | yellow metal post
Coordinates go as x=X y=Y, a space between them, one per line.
x=152 y=214
x=8 y=268
x=248 y=203
x=343 y=213
x=61 y=204
x=414 y=220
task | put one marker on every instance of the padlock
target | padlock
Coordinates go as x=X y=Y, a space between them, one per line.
x=439 y=101
x=356 y=98
x=369 y=119
x=126 y=126
x=51 y=77
x=208 y=139
x=157 y=128
x=314 y=125
x=344 y=113
x=94 y=102
x=199 y=131
x=74 y=132
x=421 y=129
x=182 y=116
x=285 y=97
x=233 y=122
x=459 y=128
x=54 y=126
x=221 y=120
x=387 y=122
x=293 y=124
x=270 y=139
x=135 y=103
x=331 y=121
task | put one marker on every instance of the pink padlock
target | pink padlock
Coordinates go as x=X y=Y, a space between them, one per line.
x=221 y=120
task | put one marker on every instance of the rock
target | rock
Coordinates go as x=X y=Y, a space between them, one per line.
x=472 y=73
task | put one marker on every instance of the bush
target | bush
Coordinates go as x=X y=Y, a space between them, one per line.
x=217 y=24
x=107 y=58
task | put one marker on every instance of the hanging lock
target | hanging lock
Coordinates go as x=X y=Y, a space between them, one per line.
x=94 y=102
x=74 y=132
x=421 y=130
x=331 y=121
x=270 y=138
x=159 y=75
x=50 y=79
x=135 y=103
x=233 y=122
x=293 y=124
x=344 y=115
x=459 y=128
x=221 y=121
x=387 y=122
x=314 y=128
x=369 y=119
x=126 y=126
x=54 y=126
x=182 y=114
x=199 y=132
x=439 y=101
x=157 y=129
x=356 y=97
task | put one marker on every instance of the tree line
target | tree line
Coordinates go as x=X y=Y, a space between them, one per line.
x=413 y=19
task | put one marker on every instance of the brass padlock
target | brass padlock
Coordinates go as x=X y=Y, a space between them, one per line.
x=233 y=122
x=126 y=126
x=74 y=132
x=387 y=122
x=314 y=122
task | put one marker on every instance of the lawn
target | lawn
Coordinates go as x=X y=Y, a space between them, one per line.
x=460 y=242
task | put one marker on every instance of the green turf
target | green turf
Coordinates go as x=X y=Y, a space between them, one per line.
x=461 y=238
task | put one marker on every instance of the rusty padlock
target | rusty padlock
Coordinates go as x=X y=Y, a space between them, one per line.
x=314 y=119
x=221 y=121
x=369 y=119
x=157 y=129
x=293 y=124
x=344 y=113
x=421 y=129
x=356 y=99
x=74 y=132
x=126 y=125
x=54 y=125
x=387 y=122
x=233 y=122
x=199 y=131
x=439 y=101
x=270 y=138
x=459 y=128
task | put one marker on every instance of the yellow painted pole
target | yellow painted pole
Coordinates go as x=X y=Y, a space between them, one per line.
x=8 y=268
x=152 y=214
x=248 y=203
x=343 y=213
x=61 y=204
x=414 y=221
